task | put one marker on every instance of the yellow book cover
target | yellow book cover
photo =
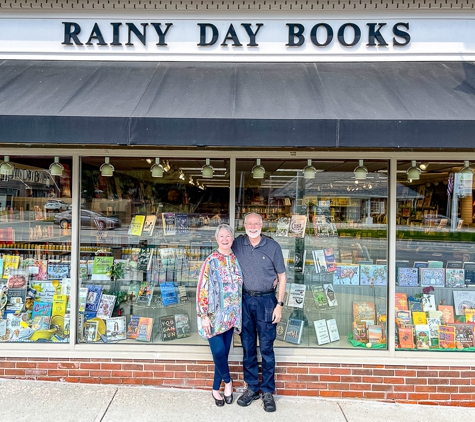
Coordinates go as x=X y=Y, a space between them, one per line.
x=469 y=315
x=10 y=262
x=59 y=304
x=419 y=318
x=136 y=225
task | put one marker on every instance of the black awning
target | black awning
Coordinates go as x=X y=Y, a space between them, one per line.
x=329 y=105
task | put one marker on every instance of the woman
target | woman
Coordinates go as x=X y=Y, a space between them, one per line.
x=218 y=306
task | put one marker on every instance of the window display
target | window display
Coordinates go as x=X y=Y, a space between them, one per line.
x=331 y=225
x=35 y=249
x=435 y=254
x=144 y=237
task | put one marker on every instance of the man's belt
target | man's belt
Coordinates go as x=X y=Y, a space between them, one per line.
x=257 y=294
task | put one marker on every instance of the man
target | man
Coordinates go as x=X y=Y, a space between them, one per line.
x=262 y=263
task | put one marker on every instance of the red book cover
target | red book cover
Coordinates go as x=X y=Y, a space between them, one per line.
x=401 y=302
x=447 y=336
x=447 y=314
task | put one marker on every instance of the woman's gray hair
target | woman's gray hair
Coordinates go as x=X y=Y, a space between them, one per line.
x=225 y=227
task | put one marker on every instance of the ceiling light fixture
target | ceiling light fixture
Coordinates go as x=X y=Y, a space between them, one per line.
x=466 y=172
x=6 y=168
x=107 y=169
x=258 y=171
x=360 y=171
x=182 y=175
x=157 y=169
x=413 y=172
x=309 y=171
x=207 y=170
x=423 y=166
x=56 y=168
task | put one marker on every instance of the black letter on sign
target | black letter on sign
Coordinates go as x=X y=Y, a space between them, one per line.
x=341 y=34
x=402 y=34
x=375 y=34
x=115 y=33
x=97 y=34
x=231 y=35
x=140 y=36
x=203 y=34
x=252 y=35
x=160 y=33
x=293 y=34
x=71 y=30
x=313 y=34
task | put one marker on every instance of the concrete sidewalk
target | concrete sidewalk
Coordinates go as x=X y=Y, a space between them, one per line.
x=46 y=401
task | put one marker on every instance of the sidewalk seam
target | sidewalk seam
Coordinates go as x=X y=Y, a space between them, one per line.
x=103 y=413
x=342 y=411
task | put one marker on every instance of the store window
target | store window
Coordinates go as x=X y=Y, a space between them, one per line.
x=329 y=217
x=435 y=266
x=146 y=227
x=35 y=192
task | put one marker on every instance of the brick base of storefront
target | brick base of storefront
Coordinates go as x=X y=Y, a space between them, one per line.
x=432 y=385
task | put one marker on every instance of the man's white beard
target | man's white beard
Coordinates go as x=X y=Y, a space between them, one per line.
x=253 y=235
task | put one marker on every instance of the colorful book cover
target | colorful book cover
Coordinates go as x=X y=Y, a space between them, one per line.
x=16 y=299
x=419 y=318
x=297 y=226
x=17 y=279
x=434 y=277
x=433 y=324
x=106 y=306
x=360 y=332
x=470 y=315
x=319 y=297
x=133 y=290
x=283 y=224
x=296 y=297
x=319 y=261
x=420 y=264
x=464 y=335
x=169 y=223
x=333 y=330
x=447 y=337
x=375 y=334
x=144 y=258
x=422 y=336
x=45 y=290
x=321 y=331
x=447 y=314
x=116 y=328
x=407 y=277
x=40 y=322
x=57 y=271
x=144 y=329
x=347 y=275
x=10 y=262
x=280 y=329
x=136 y=225
x=83 y=272
x=168 y=328
x=294 y=331
x=145 y=293
x=182 y=324
x=149 y=225
x=169 y=295
x=403 y=317
x=91 y=331
x=364 y=312
x=182 y=223
x=373 y=275
x=41 y=309
x=330 y=260
x=330 y=294
x=406 y=337
x=454 y=277
x=132 y=328
x=401 y=302
x=463 y=300
x=469 y=268
x=435 y=264
x=101 y=268
x=321 y=226
x=415 y=304
x=82 y=297
x=94 y=293
x=60 y=303
x=454 y=264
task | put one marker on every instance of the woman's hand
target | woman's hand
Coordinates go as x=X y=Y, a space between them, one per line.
x=206 y=324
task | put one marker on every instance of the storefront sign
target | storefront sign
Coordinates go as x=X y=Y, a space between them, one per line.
x=240 y=39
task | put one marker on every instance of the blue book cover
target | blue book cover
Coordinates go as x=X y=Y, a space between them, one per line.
x=169 y=295
x=294 y=331
x=41 y=308
x=58 y=271
x=94 y=293
x=408 y=277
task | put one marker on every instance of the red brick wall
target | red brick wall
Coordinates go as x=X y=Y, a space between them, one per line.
x=436 y=385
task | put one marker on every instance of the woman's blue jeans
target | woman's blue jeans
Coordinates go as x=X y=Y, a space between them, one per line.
x=220 y=345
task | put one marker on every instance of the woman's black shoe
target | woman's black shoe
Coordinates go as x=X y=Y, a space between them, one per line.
x=218 y=402
x=229 y=399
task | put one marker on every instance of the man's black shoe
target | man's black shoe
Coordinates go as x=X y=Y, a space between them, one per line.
x=247 y=398
x=269 y=403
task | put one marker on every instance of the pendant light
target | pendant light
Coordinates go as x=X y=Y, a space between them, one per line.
x=413 y=172
x=56 y=168
x=157 y=169
x=258 y=171
x=6 y=168
x=107 y=169
x=207 y=170
x=309 y=171
x=466 y=173
x=360 y=171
